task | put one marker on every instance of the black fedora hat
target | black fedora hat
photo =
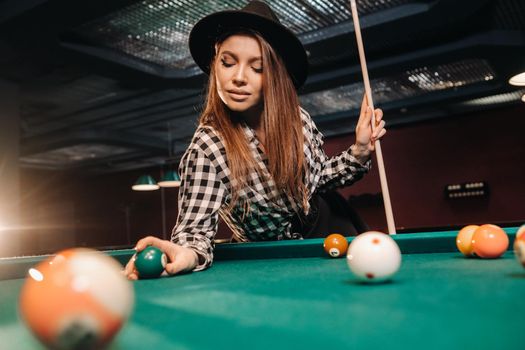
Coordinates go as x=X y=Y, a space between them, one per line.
x=257 y=16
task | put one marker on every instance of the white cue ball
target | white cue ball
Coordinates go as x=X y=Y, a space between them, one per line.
x=373 y=257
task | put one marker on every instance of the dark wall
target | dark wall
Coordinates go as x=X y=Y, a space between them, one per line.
x=72 y=209
x=64 y=209
x=421 y=159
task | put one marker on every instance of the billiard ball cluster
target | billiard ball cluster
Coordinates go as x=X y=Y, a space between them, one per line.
x=372 y=256
x=486 y=241
x=489 y=242
x=77 y=299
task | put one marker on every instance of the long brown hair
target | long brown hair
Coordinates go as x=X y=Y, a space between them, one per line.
x=282 y=126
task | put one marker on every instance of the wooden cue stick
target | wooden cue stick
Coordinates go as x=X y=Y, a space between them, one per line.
x=368 y=91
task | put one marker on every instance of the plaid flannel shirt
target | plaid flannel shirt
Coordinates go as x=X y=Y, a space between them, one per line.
x=205 y=190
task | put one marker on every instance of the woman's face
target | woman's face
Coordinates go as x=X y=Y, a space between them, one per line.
x=239 y=73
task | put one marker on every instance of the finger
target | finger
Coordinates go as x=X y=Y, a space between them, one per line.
x=181 y=262
x=130 y=272
x=133 y=276
x=130 y=266
x=175 y=267
x=367 y=118
x=378 y=114
x=147 y=241
x=364 y=105
x=380 y=135
x=378 y=129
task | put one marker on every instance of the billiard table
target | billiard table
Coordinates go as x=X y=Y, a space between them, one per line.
x=290 y=295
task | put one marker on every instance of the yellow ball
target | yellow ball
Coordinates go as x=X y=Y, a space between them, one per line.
x=335 y=245
x=464 y=240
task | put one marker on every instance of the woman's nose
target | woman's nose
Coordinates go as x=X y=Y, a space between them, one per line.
x=239 y=77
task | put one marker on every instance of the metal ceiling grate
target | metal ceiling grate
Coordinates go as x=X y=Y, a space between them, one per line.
x=73 y=155
x=412 y=83
x=157 y=30
x=495 y=99
x=509 y=14
x=81 y=90
x=450 y=75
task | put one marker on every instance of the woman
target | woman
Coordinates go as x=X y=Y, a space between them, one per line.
x=256 y=158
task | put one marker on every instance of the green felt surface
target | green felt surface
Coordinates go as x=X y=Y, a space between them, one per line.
x=436 y=301
x=282 y=295
x=423 y=242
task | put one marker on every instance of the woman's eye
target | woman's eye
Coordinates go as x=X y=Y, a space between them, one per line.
x=226 y=64
x=257 y=69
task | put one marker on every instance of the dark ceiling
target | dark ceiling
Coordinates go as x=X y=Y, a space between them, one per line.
x=107 y=85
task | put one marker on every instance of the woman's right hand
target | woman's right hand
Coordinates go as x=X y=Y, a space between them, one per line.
x=180 y=259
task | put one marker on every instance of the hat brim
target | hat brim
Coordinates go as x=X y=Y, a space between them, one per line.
x=205 y=33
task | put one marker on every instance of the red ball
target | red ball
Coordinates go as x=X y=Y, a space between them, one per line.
x=489 y=241
x=335 y=245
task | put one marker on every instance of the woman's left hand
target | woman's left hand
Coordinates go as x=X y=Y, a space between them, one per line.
x=364 y=136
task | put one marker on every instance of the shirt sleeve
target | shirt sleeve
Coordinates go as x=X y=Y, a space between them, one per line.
x=201 y=195
x=338 y=171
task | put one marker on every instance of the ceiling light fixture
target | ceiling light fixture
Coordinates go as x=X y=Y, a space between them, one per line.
x=170 y=179
x=145 y=183
x=518 y=80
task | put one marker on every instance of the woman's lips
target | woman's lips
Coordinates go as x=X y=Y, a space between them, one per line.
x=238 y=95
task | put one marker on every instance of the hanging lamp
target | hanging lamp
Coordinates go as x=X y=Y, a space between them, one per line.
x=518 y=80
x=145 y=183
x=171 y=178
